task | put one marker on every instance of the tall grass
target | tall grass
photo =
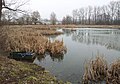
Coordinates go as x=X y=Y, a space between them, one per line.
x=29 y=40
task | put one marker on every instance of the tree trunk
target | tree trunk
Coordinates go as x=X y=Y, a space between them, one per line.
x=0 y=11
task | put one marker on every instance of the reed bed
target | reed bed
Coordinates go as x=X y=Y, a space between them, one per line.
x=57 y=47
x=67 y=26
x=95 y=70
x=29 y=40
x=113 y=75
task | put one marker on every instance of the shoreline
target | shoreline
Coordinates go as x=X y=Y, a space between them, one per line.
x=70 y=26
x=90 y=26
x=13 y=71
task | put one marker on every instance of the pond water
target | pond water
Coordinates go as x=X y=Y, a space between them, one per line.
x=82 y=44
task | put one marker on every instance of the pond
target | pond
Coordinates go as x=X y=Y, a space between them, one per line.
x=82 y=44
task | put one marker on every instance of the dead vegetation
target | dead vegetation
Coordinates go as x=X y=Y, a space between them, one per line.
x=113 y=75
x=29 y=40
x=97 y=71
x=57 y=47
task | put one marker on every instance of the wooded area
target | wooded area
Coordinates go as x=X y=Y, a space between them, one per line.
x=104 y=15
x=97 y=15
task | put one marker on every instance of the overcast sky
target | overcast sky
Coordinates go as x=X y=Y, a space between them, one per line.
x=62 y=7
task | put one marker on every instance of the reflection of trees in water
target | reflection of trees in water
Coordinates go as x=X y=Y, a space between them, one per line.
x=107 y=38
x=68 y=32
x=57 y=57
x=40 y=57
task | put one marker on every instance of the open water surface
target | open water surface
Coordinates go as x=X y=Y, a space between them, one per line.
x=82 y=44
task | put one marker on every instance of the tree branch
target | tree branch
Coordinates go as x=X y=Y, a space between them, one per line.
x=22 y=4
x=9 y=8
x=14 y=9
x=3 y=2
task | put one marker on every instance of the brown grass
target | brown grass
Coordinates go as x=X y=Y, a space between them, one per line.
x=113 y=75
x=95 y=70
x=57 y=47
x=28 y=39
x=66 y=26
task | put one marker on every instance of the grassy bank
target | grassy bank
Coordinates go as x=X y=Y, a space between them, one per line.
x=12 y=72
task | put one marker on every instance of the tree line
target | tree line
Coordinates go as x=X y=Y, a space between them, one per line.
x=9 y=15
x=104 y=15
x=26 y=18
x=97 y=15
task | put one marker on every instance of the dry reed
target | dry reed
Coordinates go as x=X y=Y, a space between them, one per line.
x=113 y=75
x=95 y=70
x=57 y=47
x=29 y=40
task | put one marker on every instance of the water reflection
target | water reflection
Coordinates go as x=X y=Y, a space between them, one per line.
x=110 y=38
x=55 y=58
x=68 y=32
x=40 y=57
x=58 y=57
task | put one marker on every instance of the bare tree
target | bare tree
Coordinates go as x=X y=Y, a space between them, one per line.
x=53 y=18
x=89 y=13
x=85 y=15
x=1 y=2
x=95 y=15
x=82 y=15
x=7 y=16
x=5 y=5
x=67 y=20
x=98 y=15
x=75 y=16
x=36 y=17
x=28 y=18
x=64 y=21
x=105 y=15
x=117 y=14
x=21 y=20
x=112 y=10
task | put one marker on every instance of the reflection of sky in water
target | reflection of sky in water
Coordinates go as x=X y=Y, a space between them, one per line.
x=82 y=44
